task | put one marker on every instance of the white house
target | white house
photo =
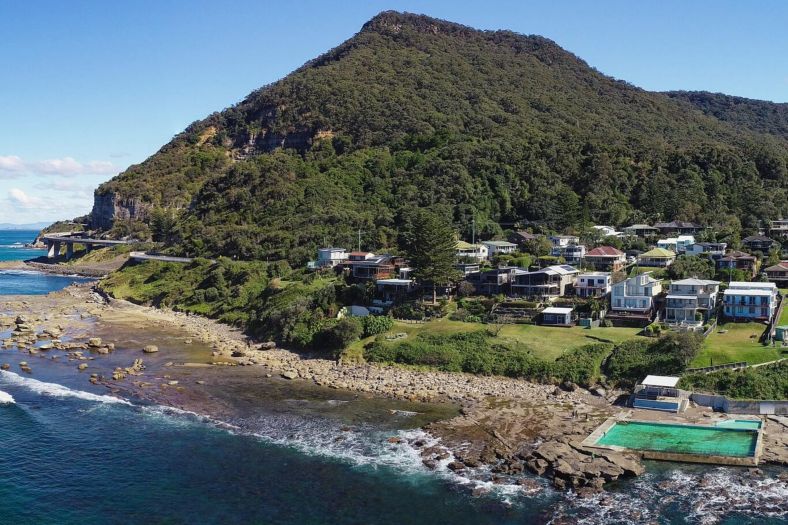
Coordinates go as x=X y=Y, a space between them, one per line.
x=564 y=240
x=572 y=253
x=750 y=301
x=331 y=256
x=690 y=302
x=557 y=316
x=593 y=284
x=499 y=247
x=635 y=296
x=676 y=244
x=715 y=250
x=476 y=252
x=328 y=258
x=607 y=231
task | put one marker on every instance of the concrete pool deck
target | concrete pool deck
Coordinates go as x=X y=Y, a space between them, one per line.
x=592 y=441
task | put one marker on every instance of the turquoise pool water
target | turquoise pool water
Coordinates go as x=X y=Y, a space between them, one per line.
x=740 y=423
x=683 y=439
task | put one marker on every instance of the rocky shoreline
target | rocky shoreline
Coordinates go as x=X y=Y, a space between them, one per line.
x=506 y=427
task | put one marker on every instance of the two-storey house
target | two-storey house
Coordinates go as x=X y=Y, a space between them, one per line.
x=492 y=282
x=714 y=250
x=592 y=284
x=640 y=230
x=691 y=302
x=547 y=283
x=778 y=274
x=659 y=257
x=471 y=252
x=748 y=301
x=499 y=247
x=606 y=258
x=633 y=299
x=736 y=260
x=759 y=243
x=679 y=227
x=571 y=253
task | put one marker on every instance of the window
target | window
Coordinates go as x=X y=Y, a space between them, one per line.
x=752 y=310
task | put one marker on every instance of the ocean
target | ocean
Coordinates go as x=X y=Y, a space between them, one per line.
x=14 y=282
x=288 y=453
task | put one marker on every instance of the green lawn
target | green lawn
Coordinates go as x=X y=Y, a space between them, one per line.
x=546 y=342
x=739 y=343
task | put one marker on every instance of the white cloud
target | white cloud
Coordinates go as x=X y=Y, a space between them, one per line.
x=20 y=199
x=11 y=163
x=66 y=166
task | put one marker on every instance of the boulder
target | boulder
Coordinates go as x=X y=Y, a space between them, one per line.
x=5 y=366
x=290 y=374
x=629 y=464
x=94 y=342
x=599 y=391
x=82 y=366
x=150 y=349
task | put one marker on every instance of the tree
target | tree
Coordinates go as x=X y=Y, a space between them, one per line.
x=690 y=266
x=538 y=247
x=430 y=246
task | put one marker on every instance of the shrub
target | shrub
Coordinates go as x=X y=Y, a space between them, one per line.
x=338 y=335
x=376 y=324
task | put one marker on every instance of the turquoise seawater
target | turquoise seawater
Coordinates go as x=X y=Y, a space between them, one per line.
x=686 y=439
x=15 y=282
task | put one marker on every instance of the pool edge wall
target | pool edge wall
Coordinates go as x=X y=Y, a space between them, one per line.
x=681 y=457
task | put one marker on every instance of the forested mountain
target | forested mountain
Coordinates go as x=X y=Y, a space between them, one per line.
x=416 y=112
x=756 y=115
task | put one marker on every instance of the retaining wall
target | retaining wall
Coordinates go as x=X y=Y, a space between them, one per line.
x=740 y=406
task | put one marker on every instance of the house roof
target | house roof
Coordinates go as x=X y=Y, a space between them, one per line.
x=462 y=245
x=746 y=285
x=594 y=274
x=604 y=251
x=748 y=291
x=557 y=310
x=563 y=269
x=692 y=281
x=394 y=282
x=640 y=227
x=756 y=238
x=658 y=252
x=677 y=224
x=503 y=244
x=666 y=381
x=781 y=266
x=359 y=254
x=527 y=236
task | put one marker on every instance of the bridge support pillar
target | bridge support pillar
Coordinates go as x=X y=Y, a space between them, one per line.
x=69 y=250
x=54 y=249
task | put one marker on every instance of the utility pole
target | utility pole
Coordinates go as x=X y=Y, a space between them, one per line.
x=473 y=231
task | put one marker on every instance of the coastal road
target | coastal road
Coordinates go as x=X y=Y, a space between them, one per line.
x=142 y=256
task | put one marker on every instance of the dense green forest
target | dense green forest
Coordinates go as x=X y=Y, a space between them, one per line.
x=757 y=115
x=414 y=112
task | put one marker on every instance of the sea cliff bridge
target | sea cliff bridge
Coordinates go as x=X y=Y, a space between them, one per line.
x=55 y=241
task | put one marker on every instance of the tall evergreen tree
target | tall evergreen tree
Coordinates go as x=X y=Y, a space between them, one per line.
x=431 y=248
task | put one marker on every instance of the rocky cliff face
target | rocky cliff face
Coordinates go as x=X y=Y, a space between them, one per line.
x=109 y=207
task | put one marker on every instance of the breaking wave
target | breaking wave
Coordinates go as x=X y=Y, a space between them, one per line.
x=54 y=389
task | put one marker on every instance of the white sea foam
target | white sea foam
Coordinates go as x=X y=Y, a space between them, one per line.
x=55 y=390
x=6 y=398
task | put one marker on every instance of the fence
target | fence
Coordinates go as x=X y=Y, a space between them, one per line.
x=740 y=406
x=714 y=368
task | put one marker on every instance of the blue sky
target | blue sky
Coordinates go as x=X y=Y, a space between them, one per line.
x=88 y=87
